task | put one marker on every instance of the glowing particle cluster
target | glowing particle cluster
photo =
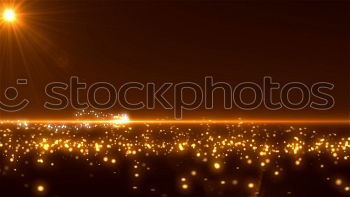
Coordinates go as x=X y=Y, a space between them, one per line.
x=252 y=145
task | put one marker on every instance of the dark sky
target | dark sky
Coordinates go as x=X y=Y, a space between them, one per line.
x=174 y=41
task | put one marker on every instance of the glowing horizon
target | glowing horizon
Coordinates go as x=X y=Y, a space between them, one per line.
x=126 y=121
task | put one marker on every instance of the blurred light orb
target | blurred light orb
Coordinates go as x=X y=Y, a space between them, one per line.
x=9 y=15
x=250 y=185
x=40 y=188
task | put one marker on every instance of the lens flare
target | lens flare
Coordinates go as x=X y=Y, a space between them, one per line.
x=121 y=119
x=9 y=15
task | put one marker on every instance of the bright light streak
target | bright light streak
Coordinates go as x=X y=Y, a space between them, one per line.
x=121 y=119
x=124 y=119
x=9 y=15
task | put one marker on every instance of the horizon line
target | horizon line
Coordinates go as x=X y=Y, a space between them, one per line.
x=180 y=121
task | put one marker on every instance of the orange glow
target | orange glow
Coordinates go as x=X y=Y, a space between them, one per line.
x=9 y=15
x=192 y=121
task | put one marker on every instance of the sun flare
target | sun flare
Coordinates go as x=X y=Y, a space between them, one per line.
x=9 y=15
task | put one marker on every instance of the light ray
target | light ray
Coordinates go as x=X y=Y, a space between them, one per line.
x=125 y=120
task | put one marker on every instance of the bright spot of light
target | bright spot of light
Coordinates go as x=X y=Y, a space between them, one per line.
x=184 y=186
x=338 y=182
x=121 y=119
x=9 y=15
x=193 y=173
x=40 y=188
x=217 y=166
x=250 y=185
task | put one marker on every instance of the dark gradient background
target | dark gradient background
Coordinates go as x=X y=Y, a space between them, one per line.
x=175 y=41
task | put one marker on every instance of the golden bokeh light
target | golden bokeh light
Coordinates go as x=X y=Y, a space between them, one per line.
x=338 y=181
x=250 y=185
x=256 y=145
x=184 y=186
x=40 y=188
x=217 y=166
